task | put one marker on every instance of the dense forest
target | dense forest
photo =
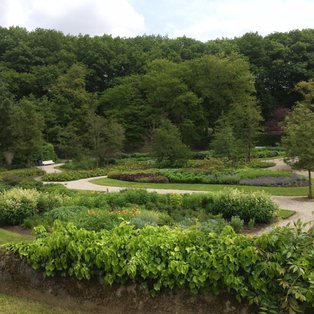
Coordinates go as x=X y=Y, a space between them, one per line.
x=68 y=93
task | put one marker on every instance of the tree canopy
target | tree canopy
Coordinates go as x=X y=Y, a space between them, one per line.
x=138 y=82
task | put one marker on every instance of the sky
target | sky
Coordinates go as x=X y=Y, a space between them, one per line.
x=200 y=19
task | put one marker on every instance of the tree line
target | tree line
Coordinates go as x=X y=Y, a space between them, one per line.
x=95 y=95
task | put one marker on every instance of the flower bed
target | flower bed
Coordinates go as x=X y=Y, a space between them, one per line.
x=140 y=177
x=275 y=181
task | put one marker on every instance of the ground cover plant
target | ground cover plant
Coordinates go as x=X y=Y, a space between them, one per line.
x=274 y=271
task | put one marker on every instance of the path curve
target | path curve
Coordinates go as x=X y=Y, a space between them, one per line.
x=303 y=206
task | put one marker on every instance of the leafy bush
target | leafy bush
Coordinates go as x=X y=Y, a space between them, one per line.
x=97 y=219
x=268 y=152
x=12 y=180
x=275 y=271
x=236 y=223
x=31 y=184
x=64 y=213
x=17 y=204
x=151 y=218
x=201 y=155
x=75 y=175
x=256 y=205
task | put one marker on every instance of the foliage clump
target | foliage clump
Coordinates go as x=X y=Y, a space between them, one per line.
x=274 y=271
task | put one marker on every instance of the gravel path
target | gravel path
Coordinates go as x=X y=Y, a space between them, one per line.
x=302 y=205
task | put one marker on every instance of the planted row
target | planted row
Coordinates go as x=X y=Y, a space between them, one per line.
x=229 y=202
x=139 y=177
x=70 y=175
x=17 y=204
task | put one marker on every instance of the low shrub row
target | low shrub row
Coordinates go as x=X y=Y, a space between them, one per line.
x=229 y=202
x=274 y=271
x=17 y=204
x=139 y=177
x=70 y=175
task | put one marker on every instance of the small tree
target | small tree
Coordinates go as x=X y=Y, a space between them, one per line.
x=224 y=143
x=299 y=140
x=167 y=145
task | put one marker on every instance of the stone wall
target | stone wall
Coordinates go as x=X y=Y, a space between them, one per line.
x=18 y=278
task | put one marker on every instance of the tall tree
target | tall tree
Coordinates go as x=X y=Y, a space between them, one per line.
x=299 y=140
x=26 y=130
x=105 y=138
x=6 y=104
x=246 y=120
x=224 y=143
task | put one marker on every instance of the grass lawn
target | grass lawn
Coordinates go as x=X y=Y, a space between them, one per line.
x=286 y=213
x=8 y=236
x=18 y=305
x=281 y=191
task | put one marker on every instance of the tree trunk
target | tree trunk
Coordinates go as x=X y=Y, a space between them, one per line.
x=310 y=185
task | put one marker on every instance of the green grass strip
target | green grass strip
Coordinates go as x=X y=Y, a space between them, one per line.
x=280 y=191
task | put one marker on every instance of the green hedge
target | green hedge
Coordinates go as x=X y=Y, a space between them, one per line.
x=274 y=271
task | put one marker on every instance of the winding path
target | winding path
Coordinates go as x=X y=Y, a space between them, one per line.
x=303 y=206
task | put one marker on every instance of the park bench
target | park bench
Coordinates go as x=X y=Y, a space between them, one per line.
x=47 y=162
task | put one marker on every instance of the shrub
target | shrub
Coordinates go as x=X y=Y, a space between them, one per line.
x=31 y=184
x=64 y=213
x=12 y=180
x=96 y=219
x=236 y=223
x=17 y=204
x=256 y=205
x=47 y=201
